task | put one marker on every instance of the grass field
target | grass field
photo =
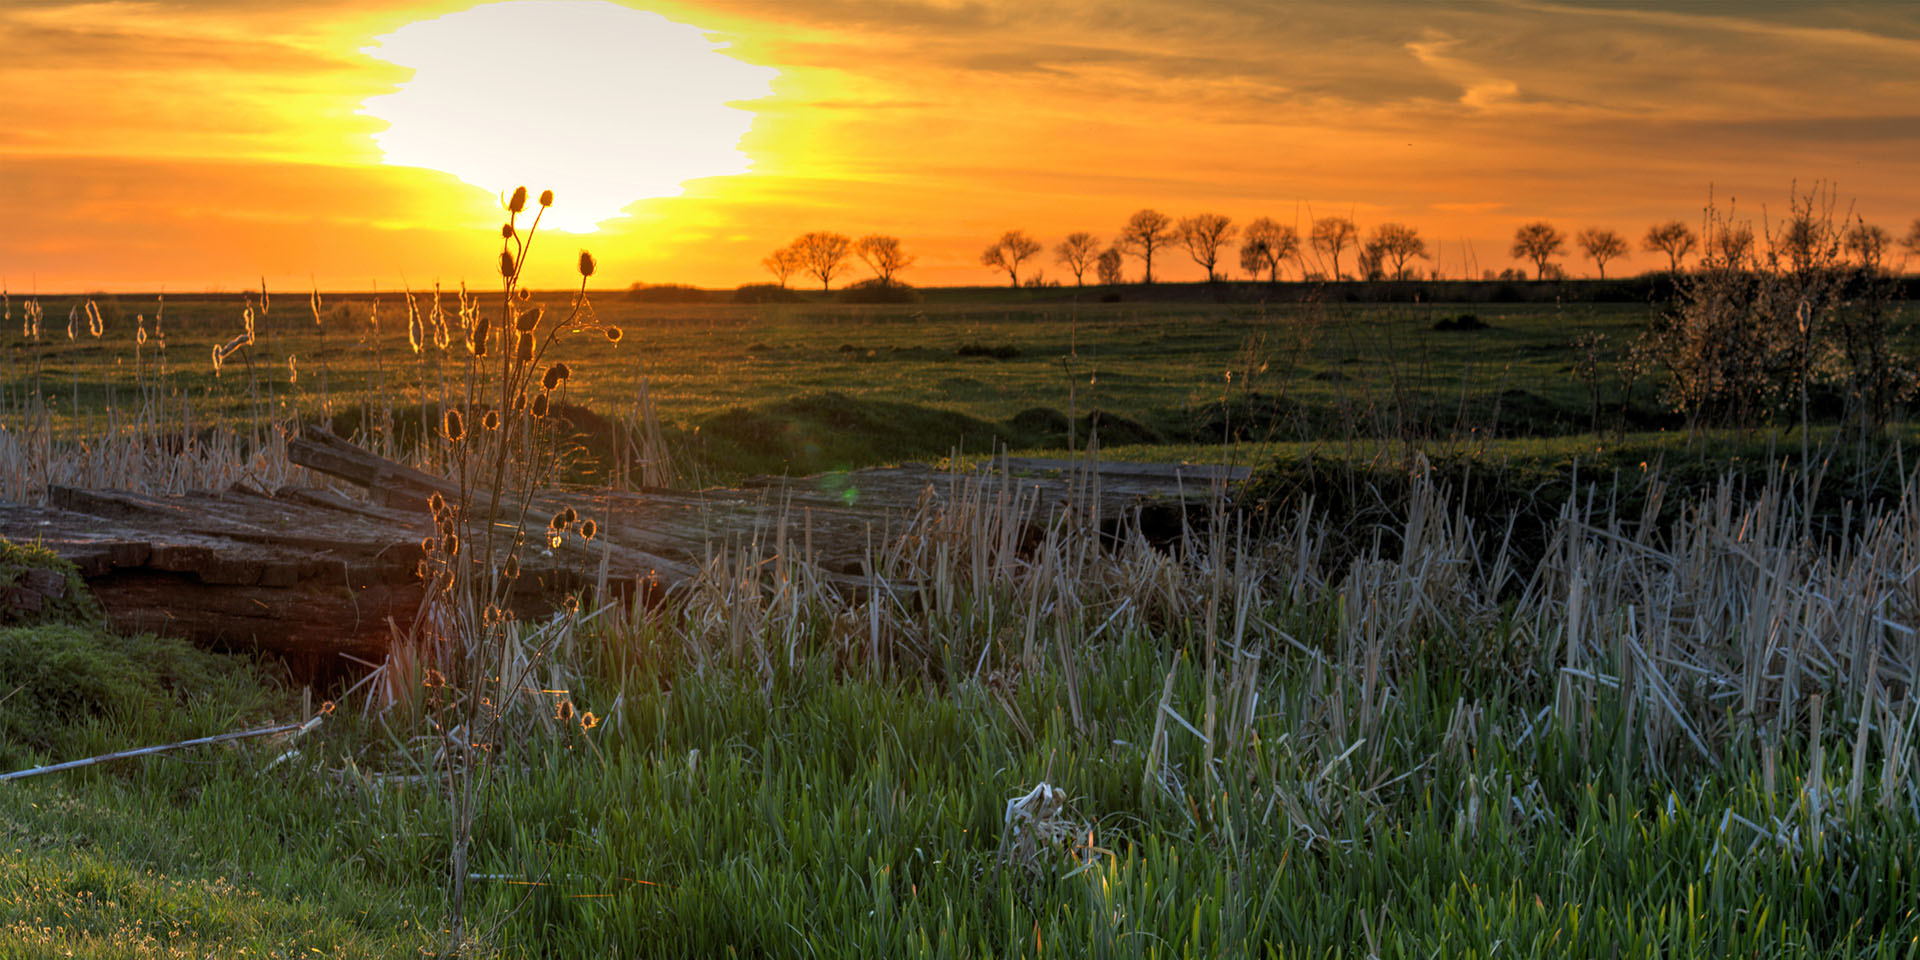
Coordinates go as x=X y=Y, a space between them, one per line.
x=1400 y=706
x=802 y=387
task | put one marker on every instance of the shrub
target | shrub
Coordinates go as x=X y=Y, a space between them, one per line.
x=876 y=290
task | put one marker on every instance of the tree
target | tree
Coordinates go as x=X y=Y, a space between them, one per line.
x=1602 y=245
x=1396 y=244
x=1145 y=232
x=1332 y=235
x=1731 y=246
x=1008 y=252
x=782 y=263
x=1868 y=244
x=823 y=254
x=1538 y=241
x=1912 y=240
x=1077 y=253
x=1109 y=264
x=1266 y=243
x=883 y=255
x=1673 y=238
x=1204 y=234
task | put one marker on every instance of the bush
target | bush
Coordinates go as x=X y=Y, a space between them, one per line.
x=766 y=293
x=875 y=290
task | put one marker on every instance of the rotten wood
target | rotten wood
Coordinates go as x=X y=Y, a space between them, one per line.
x=315 y=573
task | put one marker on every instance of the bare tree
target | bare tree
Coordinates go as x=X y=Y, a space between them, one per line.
x=1077 y=253
x=1332 y=235
x=1204 y=234
x=1868 y=244
x=1145 y=232
x=1008 y=252
x=1731 y=246
x=1602 y=245
x=1673 y=238
x=883 y=255
x=1396 y=244
x=1109 y=264
x=823 y=254
x=782 y=263
x=1265 y=244
x=1912 y=239
x=1539 y=241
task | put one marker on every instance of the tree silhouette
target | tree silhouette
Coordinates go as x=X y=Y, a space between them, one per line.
x=1146 y=231
x=782 y=263
x=1732 y=244
x=1077 y=253
x=1109 y=264
x=1397 y=243
x=1332 y=235
x=1538 y=241
x=1204 y=234
x=883 y=255
x=1008 y=252
x=1912 y=240
x=1602 y=245
x=823 y=254
x=1673 y=238
x=1264 y=244
x=1868 y=244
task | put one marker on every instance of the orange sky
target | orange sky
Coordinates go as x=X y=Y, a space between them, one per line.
x=201 y=144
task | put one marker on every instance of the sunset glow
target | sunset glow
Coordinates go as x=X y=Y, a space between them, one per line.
x=604 y=104
x=200 y=143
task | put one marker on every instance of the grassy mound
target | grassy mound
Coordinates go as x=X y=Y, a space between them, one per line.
x=36 y=586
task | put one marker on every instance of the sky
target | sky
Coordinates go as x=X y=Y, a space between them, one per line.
x=206 y=144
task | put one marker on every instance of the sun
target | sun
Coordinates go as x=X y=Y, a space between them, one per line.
x=601 y=103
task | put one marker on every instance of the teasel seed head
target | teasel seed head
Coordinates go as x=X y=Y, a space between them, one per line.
x=506 y=264
x=587 y=264
x=506 y=231
x=492 y=420
x=540 y=405
x=525 y=322
x=524 y=352
x=519 y=200
x=589 y=530
x=546 y=198
x=556 y=375
x=512 y=570
x=614 y=334
x=456 y=431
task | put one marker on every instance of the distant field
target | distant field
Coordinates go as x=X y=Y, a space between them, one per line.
x=807 y=386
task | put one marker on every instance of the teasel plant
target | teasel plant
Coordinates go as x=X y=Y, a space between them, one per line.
x=502 y=446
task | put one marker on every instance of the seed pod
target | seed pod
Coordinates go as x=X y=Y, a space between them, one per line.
x=525 y=322
x=613 y=334
x=556 y=375
x=559 y=521
x=426 y=544
x=546 y=198
x=587 y=264
x=438 y=503
x=589 y=529
x=569 y=514
x=456 y=431
x=512 y=569
x=482 y=328
x=540 y=405
x=519 y=201
x=506 y=264
x=492 y=420
x=452 y=544
x=524 y=353
x=506 y=231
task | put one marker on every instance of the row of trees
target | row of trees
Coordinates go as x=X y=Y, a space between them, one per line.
x=1388 y=252
x=823 y=256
